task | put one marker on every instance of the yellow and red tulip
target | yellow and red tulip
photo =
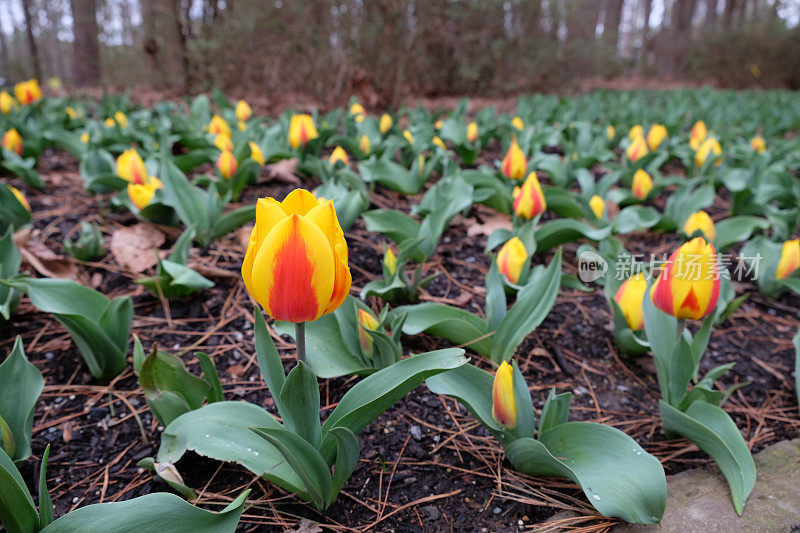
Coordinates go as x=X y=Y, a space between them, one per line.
x=12 y=141
x=637 y=148
x=296 y=261
x=758 y=145
x=27 y=92
x=511 y=259
x=109 y=122
x=366 y=323
x=408 y=136
x=130 y=167
x=504 y=405
x=514 y=164
x=121 y=119
x=688 y=285
x=339 y=154
x=629 y=298
x=385 y=123
x=364 y=144
x=709 y=147
x=597 y=205
x=301 y=130
x=636 y=131
x=243 y=111
x=642 y=184
x=223 y=142
x=256 y=154
x=141 y=194
x=226 y=164
x=438 y=124
x=84 y=137
x=390 y=260
x=439 y=142
x=698 y=135
x=218 y=126
x=472 y=132
x=6 y=102
x=518 y=124
x=529 y=201
x=655 y=136
x=20 y=197
x=700 y=220
x=790 y=259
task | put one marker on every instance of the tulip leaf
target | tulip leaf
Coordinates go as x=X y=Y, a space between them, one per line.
x=347 y=451
x=189 y=202
x=562 y=202
x=736 y=229
x=555 y=410
x=211 y=377
x=300 y=399
x=232 y=220
x=21 y=383
x=162 y=511
x=11 y=210
x=713 y=431
x=46 y=514
x=17 y=511
x=170 y=389
x=391 y=175
x=373 y=395
x=526 y=417
x=534 y=302
x=451 y=323
x=796 y=341
x=472 y=387
x=10 y=261
x=562 y=230
x=635 y=218
x=221 y=430
x=269 y=362
x=394 y=224
x=619 y=478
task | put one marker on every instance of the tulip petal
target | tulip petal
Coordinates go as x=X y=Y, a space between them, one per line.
x=299 y=202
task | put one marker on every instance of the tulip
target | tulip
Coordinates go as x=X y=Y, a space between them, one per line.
x=364 y=144
x=472 y=132
x=301 y=130
x=637 y=149
x=385 y=124
x=511 y=258
x=121 y=119
x=109 y=123
x=790 y=259
x=6 y=102
x=366 y=323
x=12 y=141
x=141 y=194
x=241 y=125
x=130 y=167
x=84 y=137
x=339 y=155
x=597 y=205
x=504 y=406
x=629 y=298
x=518 y=123
x=357 y=112
x=655 y=136
x=218 y=126
x=688 y=285
x=409 y=136
x=256 y=154
x=642 y=184
x=70 y=111
x=700 y=220
x=438 y=124
x=20 y=197
x=439 y=142
x=707 y=147
x=243 y=111
x=27 y=92
x=758 y=144
x=514 y=163
x=296 y=261
x=611 y=132
x=699 y=133
x=390 y=261
x=226 y=164
x=636 y=131
x=529 y=200
x=223 y=142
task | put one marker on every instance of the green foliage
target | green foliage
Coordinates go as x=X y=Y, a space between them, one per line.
x=21 y=383
x=89 y=244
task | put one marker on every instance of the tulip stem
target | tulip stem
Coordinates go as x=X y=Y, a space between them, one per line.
x=300 y=340
x=681 y=325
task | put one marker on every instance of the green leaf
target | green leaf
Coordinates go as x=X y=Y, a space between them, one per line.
x=619 y=478
x=555 y=410
x=11 y=211
x=391 y=175
x=347 y=451
x=170 y=475
x=17 y=511
x=713 y=431
x=232 y=220
x=221 y=430
x=526 y=417
x=269 y=362
x=635 y=218
x=534 y=302
x=21 y=383
x=736 y=229
x=10 y=261
x=394 y=224
x=170 y=389
x=305 y=460
x=472 y=387
x=211 y=377
x=300 y=399
x=796 y=341
x=46 y=515
x=373 y=395
x=562 y=230
x=163 y=512
x=189 y=202
x=451 y=323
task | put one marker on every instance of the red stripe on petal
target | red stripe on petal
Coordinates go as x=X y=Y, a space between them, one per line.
x=293 y=297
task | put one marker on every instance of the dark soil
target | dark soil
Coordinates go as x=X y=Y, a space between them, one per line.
x=445 y=473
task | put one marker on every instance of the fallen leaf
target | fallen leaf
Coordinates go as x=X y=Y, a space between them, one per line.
x=211 y=271
x=283 y=171
x=134 y=247
x=66 y=428
x=44 y=260
x=489 y=225
x=307 y=526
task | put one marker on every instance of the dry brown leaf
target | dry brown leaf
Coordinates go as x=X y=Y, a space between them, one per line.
x=306 y=526
x=211 y=271
x=283 y=171
x=489 y=225
x=134 y=247
x=44 y=260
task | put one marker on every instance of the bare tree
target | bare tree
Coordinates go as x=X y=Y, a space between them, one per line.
x=86 y=47
x=26 y=9
x=612 y=21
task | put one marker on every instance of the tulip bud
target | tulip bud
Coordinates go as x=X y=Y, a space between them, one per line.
x=70 y=111
x=84 y=137
x=223 y=142
x=109 y=122
x=218 y=126
x=241 y=125
x=6 y=102
x=256 y=154
x=636 y=131
x=130 y=167
x=629 y=298
x=655 y=136
x=27 y=92
x=339 y=155
x=439 y=142
x=472 y=132
x=698 y=135
x=708 y=147
x=12 y=141
x=226 y=164
x=366 y=322
x=296 y=261
x=637 y=149
x=20 y=197
x=409 y=136
x=758 y=144
x=529 y=201
x=243 y=111
x=518 y=123
x=121 y=119
x=642 y=184
x=611 y=132
x=597 y=205
x=504 y=405
x=700 y=220
x=357 y=112
x=790 y=259
x=438 y=124
x=301 y=130
x=688 y=285
x=514 y=164
x=141 y=194
x=511 y=258
x=390 y=261
x=364 y=144
x=385 y=123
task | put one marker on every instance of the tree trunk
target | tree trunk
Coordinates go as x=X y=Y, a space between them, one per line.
x=37 y=69
x=6 y=62
x=86 y=48
x=730 y=11
x=646 y=39
x=183 y=32
x=612 y=22
x=711 y=13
